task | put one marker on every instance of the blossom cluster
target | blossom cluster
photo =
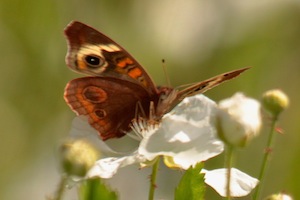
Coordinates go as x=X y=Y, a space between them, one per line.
x=194 y=131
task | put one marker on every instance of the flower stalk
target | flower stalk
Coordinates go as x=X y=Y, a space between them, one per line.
x=153 y=179
x=228 y=164
x=274 y=101
x=61 y=187
x=266 y=159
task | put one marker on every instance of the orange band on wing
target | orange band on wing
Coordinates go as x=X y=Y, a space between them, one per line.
x=123 y=63
x=81 y=65
x=135 y=73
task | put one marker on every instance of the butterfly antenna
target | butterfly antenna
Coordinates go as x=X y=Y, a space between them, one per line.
x=166 y=73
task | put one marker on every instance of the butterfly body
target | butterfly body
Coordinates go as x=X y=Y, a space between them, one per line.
x=118 y=89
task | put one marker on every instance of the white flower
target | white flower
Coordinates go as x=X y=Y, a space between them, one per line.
x=187 y=134
x=239 y=119
x=241 y=184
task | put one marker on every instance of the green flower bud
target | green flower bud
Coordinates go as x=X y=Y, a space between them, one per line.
x=280 y=196
x=275 y=101
x=77 y=157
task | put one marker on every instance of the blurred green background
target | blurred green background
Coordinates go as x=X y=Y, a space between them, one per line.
x=197 y=38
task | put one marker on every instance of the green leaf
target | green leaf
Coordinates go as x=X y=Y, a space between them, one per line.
x=191 y=185
x=95 y=189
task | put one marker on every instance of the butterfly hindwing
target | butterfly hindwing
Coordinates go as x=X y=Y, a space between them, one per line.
x=109 y=103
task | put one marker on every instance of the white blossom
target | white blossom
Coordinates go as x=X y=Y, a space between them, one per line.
x=187 y=134
x=239 y=119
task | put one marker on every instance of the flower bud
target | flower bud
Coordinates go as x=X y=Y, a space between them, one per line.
x=239 y=119
x=280 y=196
x=77 y=157
x=275 y=101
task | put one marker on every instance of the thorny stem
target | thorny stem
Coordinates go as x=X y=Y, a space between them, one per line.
x=266 y=159
x=153 y=179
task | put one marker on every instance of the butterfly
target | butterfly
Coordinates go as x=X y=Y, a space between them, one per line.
x=117 y=89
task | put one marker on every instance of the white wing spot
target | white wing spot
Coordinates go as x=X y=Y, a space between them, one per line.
x=110 y=47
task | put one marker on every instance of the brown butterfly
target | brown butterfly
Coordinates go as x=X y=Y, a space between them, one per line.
x=118 y=89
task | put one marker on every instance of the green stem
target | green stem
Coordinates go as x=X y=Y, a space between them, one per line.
x=228 y=164
x=61 y=188
x=266 y=159
x=153 y=179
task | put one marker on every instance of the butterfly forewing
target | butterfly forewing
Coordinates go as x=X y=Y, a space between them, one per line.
x=91 y=52
x=203 y=86
x=176 y=96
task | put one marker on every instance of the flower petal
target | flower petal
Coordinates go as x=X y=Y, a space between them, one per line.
x=241 y=184
x=107 y=167
x=187 y=133
x=114 y=147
